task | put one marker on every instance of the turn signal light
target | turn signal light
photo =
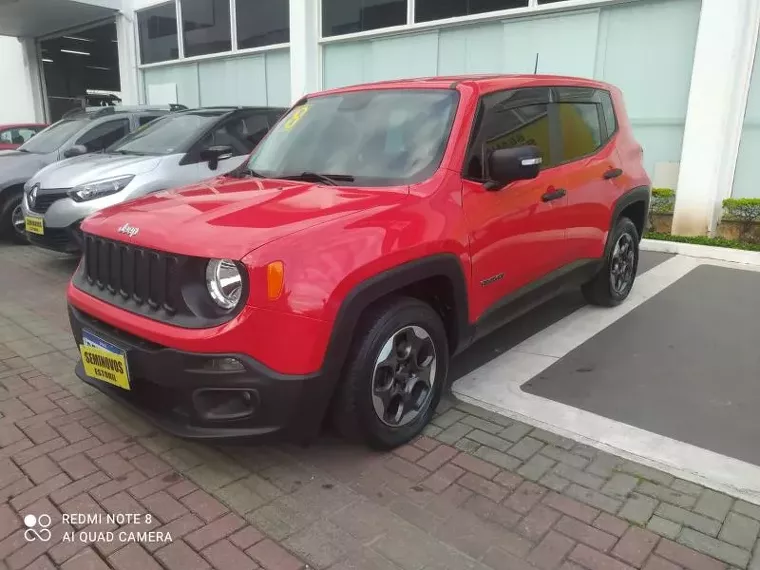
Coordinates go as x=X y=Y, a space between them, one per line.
x=275 y=279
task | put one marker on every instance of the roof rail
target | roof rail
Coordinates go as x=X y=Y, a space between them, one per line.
x=96 y=112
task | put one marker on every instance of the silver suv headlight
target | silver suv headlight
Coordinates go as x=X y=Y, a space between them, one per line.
x=100 y=188
x=224 y=282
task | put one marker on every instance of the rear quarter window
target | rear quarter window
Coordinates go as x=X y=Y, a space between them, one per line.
x=608 y=110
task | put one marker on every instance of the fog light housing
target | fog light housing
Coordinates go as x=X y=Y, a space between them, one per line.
x=225 y=364
x=225 y=404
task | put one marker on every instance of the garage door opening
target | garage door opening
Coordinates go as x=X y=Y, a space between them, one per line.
x=81 y=70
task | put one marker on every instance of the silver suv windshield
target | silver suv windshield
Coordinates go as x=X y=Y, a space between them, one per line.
x=379 y=137
x=165 y=135
x=52 y=138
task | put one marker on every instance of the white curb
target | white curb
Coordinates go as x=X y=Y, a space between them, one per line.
x=703 y=251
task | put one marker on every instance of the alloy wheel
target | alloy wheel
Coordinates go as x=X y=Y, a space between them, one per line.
x=622 y=264
x=404 y=376
x=17 y=219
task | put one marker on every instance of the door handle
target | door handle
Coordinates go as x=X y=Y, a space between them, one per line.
x=553 y=195
x=612 y=173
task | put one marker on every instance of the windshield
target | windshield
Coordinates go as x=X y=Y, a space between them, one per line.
x=164 y=135
x=376 y=137
x=54 y=136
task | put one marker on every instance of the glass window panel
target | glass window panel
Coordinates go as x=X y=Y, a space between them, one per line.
x=350 y=16
x=206 y=26
x=428 y=10
x=157 y=28
x=581 y=129
x=262 y=22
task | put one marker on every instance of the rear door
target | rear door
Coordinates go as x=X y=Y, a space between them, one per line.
x=590 y=164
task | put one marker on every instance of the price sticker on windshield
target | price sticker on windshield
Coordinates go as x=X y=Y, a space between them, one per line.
x=296 y=116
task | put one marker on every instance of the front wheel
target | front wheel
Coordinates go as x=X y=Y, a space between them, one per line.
x=394 y=375
x=612 y=285
x=12 y=218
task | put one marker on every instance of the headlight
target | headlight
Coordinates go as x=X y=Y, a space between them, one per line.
x=99 y=188
x=224 y=282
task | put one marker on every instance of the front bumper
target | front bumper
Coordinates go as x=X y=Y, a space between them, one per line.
x=174 y=390
x=62 y=240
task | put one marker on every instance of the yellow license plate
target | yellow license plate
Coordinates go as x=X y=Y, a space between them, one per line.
x=34 y=225
x=105 y=365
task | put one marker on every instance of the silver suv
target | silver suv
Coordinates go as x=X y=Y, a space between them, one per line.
x=176 y=150
x=77 y=133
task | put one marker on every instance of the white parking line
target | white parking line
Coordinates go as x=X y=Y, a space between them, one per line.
x=496 y=387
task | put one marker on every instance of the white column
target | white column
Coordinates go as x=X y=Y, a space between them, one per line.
x=720 y=80
x=305 y=52
x=33 y=85
x=128 y=57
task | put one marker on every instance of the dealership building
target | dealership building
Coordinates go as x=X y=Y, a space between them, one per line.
x=687 y=68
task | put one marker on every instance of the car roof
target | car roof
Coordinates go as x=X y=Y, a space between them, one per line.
x=229 y=109
x=484 y=83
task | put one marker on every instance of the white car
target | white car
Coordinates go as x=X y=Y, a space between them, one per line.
x=178 y=149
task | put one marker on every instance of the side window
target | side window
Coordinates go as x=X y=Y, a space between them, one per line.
x=608 y=109
x=256 y=126
x=26 y=133
x=581 y=129
x=275 y=116
x=6 y=136
x=509 y=119
x=104 y=135
x=145 y=119
x=233 y=133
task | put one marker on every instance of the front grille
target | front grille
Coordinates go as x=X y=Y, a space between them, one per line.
x=44 y=201
x=135 y=274
x=159 y=285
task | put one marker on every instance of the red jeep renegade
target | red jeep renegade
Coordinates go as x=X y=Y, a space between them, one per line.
x=375 y=232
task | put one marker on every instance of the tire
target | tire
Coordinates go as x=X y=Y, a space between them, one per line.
x=380 y=421
x=11 y=201
x=607 y=289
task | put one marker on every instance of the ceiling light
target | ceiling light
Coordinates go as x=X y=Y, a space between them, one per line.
x=46 y=60
x=78 y=39
x=98 y=67
x=75 y=52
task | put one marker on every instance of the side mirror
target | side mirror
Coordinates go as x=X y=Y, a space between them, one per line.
x=76 y=150
x=507 y=165
x=214 y=154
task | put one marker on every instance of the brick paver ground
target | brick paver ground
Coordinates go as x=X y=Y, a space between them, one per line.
x=478 y=491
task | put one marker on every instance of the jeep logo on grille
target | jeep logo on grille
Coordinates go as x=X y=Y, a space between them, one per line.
x=131 y=231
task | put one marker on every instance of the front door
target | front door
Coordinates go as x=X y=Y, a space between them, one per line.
x=517 y=233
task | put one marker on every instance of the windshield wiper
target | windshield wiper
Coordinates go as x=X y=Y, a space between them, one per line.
x=331 y=179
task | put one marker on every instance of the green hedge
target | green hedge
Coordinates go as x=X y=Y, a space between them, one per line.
x=663 y=200
x=704 y=240
x=742 y=209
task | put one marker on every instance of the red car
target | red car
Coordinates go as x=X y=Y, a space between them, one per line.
x=13 y=136
x=374 y=233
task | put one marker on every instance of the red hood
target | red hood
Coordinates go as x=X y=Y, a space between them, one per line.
x=227 y=217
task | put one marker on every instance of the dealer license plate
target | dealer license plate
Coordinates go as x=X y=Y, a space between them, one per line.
x=104 y=361
x=34 y=225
